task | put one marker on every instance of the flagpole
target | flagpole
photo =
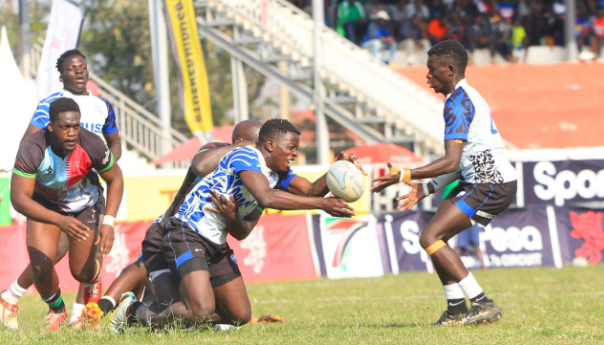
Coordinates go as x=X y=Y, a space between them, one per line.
x=25 y=38
x=159 y=49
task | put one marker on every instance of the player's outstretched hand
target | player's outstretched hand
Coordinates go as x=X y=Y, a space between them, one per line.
x=387 y=180
x=412 y=198
x=343 y=156
x=73 y=228
x=226 y=206
x=106 y=238
x=337 y=207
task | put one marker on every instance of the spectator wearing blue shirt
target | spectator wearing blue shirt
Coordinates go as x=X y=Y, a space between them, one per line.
x=379 y=37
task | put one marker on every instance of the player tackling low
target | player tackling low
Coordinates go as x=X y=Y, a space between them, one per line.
x=474 y=152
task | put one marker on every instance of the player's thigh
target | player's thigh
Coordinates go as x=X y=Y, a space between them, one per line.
x=196 y=292
x=42 y=239
x=85 y=256
x=166 y=291
x=232 y=301
x=445 y=224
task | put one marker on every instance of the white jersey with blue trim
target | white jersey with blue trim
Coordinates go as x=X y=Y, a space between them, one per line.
x=226 y=181
x=468 y=117
x=96 y=114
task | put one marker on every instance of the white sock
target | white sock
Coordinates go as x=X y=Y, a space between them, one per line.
x=453 y=291
x=76 y=311
x=14 y=293
x=470 y=286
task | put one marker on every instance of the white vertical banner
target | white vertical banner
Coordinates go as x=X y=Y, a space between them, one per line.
x=62 y=34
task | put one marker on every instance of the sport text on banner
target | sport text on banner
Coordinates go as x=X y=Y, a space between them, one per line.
x=182 y=26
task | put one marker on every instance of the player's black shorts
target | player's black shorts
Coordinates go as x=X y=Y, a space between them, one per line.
x=152 y=256
x=187 y=251
x=90 y=216
x=483 y=201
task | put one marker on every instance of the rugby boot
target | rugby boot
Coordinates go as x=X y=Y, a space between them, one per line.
x=8 y=314
x=93 y=291
x=91 y=316
x=119 y=320
x=449 y=319
x=482 y=312
x=53 y=321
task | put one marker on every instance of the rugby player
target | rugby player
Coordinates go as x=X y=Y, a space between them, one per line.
x=54 y=186
x=474 y=151
x=203 y=267
x=98 y=117
x=151 y=266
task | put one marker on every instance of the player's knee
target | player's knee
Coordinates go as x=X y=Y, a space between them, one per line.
x=241 y=316
x=200 y=310
x=426 y=240
x=84 y=276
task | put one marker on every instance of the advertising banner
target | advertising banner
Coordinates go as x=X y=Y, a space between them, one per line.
x=581 y=233
x=277 y=249
x=182 y=26
x=5 y=217
x=562 y=182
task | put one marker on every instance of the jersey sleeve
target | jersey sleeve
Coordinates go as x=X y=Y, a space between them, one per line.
x=100 y=155
x=29 y=158
x=459 y=113
x=244 y=159
x=110 y=125
x=41 y=116
x=285 y=179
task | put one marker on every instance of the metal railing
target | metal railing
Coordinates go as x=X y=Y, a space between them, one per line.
x=344 y=63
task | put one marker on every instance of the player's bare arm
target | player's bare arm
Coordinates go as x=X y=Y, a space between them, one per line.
x=418 y=193
x=22 y=190
x=444 y=165
x=115 y=189
x=115 y=145
x=301 y=186
x=228 y=207
x=205 y=161
x=267 y=197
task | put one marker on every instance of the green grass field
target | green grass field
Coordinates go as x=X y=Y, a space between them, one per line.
x=541 y=305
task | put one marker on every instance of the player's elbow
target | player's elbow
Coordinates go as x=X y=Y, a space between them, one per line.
x=451 y=166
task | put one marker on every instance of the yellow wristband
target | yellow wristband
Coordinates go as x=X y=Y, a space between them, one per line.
x=405 y=176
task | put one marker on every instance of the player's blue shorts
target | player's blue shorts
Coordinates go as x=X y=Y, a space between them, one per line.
x=469 y=237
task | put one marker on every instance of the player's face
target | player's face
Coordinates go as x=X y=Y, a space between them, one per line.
x=75 y=75
x=439 y=74
x=66 y=130
x=284 y=151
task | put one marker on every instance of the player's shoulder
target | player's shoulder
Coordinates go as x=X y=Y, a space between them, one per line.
x=35 y=142
x=89 y=139
x=46 y=101
x=245 y=150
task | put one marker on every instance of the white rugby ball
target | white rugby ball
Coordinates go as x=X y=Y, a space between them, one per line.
x=345 y=181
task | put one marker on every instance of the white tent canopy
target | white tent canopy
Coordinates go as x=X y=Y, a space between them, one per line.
x=18 y=99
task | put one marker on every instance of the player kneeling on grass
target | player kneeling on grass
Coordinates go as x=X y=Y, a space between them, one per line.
x=195 y=238
x=54 y=186
x=475 y=153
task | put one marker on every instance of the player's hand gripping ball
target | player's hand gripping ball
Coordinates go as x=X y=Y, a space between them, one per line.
x=346 y=181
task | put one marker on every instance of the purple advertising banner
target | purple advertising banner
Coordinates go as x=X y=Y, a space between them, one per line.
x=562 y=182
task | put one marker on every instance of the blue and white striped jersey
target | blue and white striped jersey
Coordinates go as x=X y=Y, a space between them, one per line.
x=468 y=117
x=97 y=114
x=225 y=180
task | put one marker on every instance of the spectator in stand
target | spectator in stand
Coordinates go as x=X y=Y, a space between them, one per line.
x=351 y=19
x=379 y=37
x=535 y=26
x=373 y=7
x=417 y=8
x=506 y=10
x=437 y=8
x=501 y=30
x=518 y=39
x=479 y=35
x=465 y=8
x=555 y=29
x=438 y=30
x=597 y=39
x=583 y=31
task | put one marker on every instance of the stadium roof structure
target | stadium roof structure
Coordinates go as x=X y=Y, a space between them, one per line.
x=539 y=106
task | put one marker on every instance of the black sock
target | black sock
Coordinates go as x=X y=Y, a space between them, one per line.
x=457 y=306
x=106 y=305
x=55 y=303
x=480 y=298
x=131 y=312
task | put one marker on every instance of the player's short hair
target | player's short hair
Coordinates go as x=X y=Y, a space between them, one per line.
x=61 y=105
x=276 y=126
x=453 y=50
x=66 y=55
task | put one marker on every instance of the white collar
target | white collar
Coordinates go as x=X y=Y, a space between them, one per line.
x=461 y=83
x=71 y=95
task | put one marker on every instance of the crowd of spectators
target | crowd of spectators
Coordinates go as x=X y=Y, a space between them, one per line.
x=501 y=26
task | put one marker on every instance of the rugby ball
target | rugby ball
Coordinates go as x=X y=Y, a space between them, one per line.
x=345 y=181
